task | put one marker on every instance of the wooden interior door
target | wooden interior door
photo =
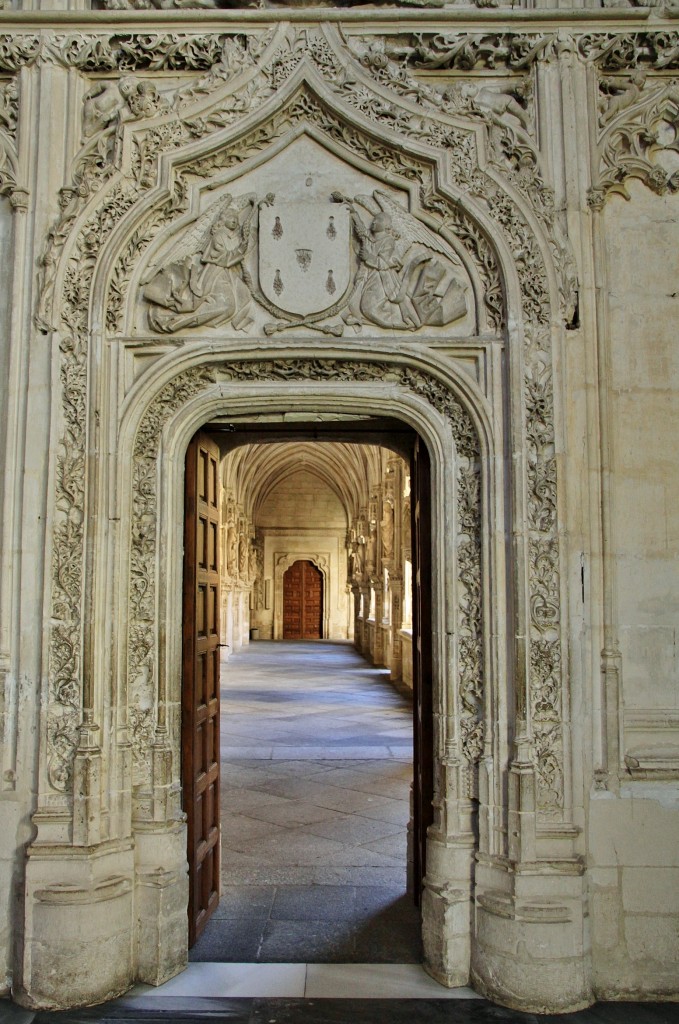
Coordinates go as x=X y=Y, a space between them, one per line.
x=423 y=752
x=302 y=602
x=200 y=684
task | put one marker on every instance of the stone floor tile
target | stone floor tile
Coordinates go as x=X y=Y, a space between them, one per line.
x=248 y=872
x=374 y=899
x=350 y=829
x=377 y=981
x=387 y=810
x=245 y=901
x=394 y=846
x=236 y=801
x=308 y=941
x=226 y=941
x=314 y=903
x=350 y=801
x=242 y=827
x=291 y=812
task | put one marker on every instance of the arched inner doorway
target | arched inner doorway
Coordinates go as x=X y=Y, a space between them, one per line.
x=392 y=629
x=302 y=601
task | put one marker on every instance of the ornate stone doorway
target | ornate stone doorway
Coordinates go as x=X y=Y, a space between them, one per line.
x=307 y=615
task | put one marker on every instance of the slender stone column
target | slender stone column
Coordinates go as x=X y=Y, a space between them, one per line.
x=396 y=591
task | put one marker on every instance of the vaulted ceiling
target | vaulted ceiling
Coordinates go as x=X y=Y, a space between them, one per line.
x=253 y=471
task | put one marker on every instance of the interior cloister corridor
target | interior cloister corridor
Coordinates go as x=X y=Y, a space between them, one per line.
x=316 y=749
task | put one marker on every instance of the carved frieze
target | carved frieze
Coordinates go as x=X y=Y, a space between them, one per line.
x=297 y=261
x=18 y=50
x=616 y=51
x=468 y=51
x=545 y=674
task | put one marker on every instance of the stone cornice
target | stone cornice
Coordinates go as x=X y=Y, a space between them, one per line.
x=381 y=20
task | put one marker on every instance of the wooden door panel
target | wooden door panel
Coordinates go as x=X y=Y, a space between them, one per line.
x=302 y=602
x=312 y=600
x=423 y=810
x=200 y=683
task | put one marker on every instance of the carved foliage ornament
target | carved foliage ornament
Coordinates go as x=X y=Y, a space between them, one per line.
x=9 y=157
x=143 y=585
x=639 y=137
x=614 y=51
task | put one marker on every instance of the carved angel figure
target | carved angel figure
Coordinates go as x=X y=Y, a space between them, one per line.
x=406 y=277
x=204 y=282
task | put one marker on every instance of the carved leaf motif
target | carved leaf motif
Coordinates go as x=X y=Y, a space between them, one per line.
x=634 y=142
x=465 y=51
x=18 y=50
x=614 y=51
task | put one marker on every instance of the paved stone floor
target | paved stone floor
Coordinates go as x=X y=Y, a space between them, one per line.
x=315 y=926
x=316 y=770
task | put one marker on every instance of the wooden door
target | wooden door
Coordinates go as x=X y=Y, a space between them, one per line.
x=422 y=658
x=302 y=602
x=200 y=684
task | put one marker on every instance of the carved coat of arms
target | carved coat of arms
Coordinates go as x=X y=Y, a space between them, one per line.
x=359 y=260
x=304 y=256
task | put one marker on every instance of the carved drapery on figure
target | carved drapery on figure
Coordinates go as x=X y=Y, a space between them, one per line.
x=203 y=281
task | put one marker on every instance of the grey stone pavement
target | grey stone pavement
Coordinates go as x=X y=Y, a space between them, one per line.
x=316 y=771
x=315 y=925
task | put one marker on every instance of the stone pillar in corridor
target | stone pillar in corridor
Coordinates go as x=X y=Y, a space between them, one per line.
x=363 y=629
x=377 y=653
x=356 y=606
x=396 y=592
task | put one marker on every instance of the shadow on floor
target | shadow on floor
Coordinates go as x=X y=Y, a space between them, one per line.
x=340 y=924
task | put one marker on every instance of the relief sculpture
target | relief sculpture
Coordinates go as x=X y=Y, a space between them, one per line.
x=204 y=281
x=362 y=260
x=406 y=277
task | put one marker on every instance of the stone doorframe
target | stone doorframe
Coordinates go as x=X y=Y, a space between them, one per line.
x=504 y=876
x=283 y=561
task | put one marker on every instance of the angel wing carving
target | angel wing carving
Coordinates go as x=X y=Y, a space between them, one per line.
x=411 y=230
x=192 y=241
x=407 y=277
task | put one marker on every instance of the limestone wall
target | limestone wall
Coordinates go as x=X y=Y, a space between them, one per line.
x=463 y=221
x=635 y=836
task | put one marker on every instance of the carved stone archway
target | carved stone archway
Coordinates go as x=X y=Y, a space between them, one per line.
x=109 y=808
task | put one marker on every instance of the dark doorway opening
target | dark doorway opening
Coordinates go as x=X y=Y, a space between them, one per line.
x=200 y=716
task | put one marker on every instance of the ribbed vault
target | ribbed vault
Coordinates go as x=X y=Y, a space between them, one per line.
x=253 y=471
